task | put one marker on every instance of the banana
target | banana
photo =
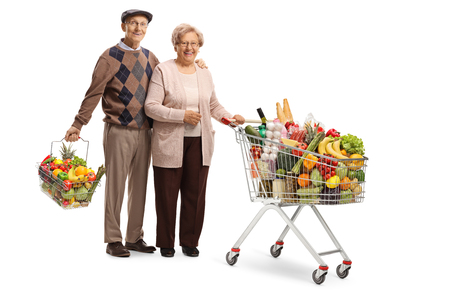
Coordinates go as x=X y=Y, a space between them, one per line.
x=330 y=150
x=75 y=178
x=336 y=146
x=322 y=146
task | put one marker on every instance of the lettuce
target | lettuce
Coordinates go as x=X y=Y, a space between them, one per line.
x=352 y=144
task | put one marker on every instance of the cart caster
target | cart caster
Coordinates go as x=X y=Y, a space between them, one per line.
x=345 y=267
x=231 y=261
x=275 y=250
x=319 y=275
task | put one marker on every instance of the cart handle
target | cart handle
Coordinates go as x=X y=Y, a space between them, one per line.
x=227 y=121
x=87 y=146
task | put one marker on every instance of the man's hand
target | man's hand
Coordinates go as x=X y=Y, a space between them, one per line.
x=72 y=134
x=201 y=63
x=239 y=119
x=192 y=117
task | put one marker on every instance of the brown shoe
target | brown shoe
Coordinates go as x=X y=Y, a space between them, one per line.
x=117 y=249
x=140 y=246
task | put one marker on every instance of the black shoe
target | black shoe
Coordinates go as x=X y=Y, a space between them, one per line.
x=192 y=252
x=140 y=246
x=117 y=249
x=167 y=252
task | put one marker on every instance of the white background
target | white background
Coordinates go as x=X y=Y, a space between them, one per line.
x=376 y=69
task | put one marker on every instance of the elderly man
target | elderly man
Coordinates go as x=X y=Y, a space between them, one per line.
x=121 y=79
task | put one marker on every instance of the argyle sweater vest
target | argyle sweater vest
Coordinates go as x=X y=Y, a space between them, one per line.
x=120 y=79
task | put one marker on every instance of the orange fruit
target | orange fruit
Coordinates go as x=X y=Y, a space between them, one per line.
x=55 y=173
x=80 y=170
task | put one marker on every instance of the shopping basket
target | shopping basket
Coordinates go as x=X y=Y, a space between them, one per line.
x=67 y=194
x=276 y=189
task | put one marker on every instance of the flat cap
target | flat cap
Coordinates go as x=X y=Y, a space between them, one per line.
x=133 y=12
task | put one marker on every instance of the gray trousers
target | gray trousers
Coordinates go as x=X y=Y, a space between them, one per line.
x=127 y=155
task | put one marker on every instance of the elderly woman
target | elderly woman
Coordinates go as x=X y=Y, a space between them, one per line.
x=181 y=100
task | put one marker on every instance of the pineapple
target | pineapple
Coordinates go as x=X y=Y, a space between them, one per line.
x=310 y=133
x=67 y=152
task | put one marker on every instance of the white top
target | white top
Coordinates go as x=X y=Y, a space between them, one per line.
x=191 y=89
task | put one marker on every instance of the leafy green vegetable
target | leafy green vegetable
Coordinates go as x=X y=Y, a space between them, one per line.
x=352 y=144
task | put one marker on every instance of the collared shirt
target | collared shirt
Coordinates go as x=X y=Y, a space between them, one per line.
x=125 y=47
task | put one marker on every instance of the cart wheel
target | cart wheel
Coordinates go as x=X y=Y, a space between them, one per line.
x=231 y=261
x=319 y=280
x=275 y=253
x=342 y=274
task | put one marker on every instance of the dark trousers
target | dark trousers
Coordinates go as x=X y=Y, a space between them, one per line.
x=190 y=180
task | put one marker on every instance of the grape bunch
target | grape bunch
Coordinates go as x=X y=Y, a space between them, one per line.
x=77 y=161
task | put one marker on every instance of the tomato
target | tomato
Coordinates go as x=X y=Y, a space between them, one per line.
x=335 y=163
x=91 y=176
x=302 y=146
x=67 y=185
x=67 y=161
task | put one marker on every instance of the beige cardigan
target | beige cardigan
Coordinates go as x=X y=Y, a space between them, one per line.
x=166 y=105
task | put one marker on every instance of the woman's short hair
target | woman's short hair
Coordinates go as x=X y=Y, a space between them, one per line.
x=181 y=30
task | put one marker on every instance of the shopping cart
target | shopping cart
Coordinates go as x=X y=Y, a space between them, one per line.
x=275 y=189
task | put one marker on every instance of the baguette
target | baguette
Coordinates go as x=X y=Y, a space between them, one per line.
x=287 y=111
x=280 y=114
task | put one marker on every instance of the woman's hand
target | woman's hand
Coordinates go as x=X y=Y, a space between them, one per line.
x=191 y=117
x=239 y=119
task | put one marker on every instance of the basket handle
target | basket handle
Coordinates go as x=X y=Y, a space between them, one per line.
x=87 y=146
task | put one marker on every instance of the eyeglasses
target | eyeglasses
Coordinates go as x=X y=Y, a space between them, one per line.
x=134 y=24
x=185 y=44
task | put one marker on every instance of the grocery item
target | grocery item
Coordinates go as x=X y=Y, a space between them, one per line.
x=252 y=131
x=289 y=142
x=287 y=111
x=67 y=152
x=278 y=188
x=321 y=148
x=352 y=144
x=310 y=161
x=333 y=182
x=333 y=133
x=312 y=147
x=285 y=160
x=280 y=114
x=316 y=177
x=329 y=149
x=290 y=184
x=303 y=180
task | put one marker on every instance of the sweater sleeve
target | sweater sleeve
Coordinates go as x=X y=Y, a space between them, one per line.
x=100 y=78
x=154 y=107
